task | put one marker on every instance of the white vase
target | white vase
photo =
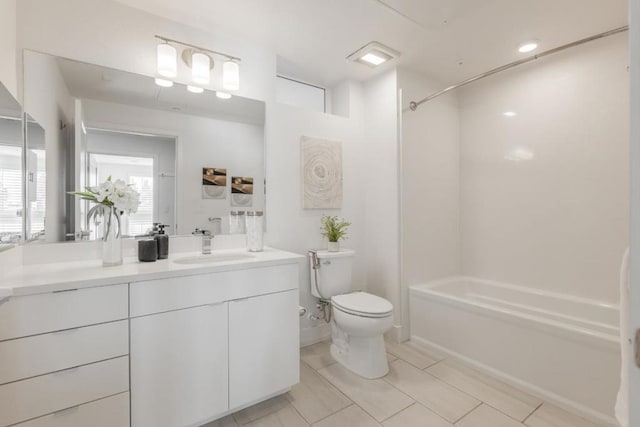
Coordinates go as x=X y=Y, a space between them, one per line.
x=333 y=246
x=111 y=240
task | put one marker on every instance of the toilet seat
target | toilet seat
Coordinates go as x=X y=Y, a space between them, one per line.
x=362 y=304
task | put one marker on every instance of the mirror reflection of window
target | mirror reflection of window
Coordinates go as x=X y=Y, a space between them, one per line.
x=10 y=192
x=38 y=178
x=136 y=171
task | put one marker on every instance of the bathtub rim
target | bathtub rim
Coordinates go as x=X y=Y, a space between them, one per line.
x=427 y=291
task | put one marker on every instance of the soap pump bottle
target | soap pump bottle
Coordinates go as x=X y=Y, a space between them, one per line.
x=163 y=242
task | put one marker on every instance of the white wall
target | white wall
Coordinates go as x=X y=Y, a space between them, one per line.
x=201 y=142
x=297 y=230
x=430 y=184
x=48 y=101
x=559 y=220
x=111 y=34
x=379 y=182
x=8 y=46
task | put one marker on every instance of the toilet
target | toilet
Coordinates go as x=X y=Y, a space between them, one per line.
x=358 y=319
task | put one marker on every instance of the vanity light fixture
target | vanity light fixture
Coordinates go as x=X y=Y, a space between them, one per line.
x=509 y=114
x=528 y=46
x=167 y=59
x=230 y=75
x=373 y=54
x=200 y=60
x=223 y=95
x=164 y=82
x=201 y=65
x=195 y=89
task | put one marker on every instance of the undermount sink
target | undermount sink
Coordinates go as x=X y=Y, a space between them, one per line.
x=213 y=258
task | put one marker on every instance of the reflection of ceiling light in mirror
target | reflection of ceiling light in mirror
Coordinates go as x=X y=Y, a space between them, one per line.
x=164 y=83
x=510 y=114
x=373 y=54
x=528 y=46
x=200 y=68
x=231 y=75
x=519 y=154
x=167 y=60
x=223 y=95
x=194 y=89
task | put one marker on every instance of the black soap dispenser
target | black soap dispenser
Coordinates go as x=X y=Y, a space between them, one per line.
x=163 y=242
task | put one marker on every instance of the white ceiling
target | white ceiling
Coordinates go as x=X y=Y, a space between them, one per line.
x=447 y=39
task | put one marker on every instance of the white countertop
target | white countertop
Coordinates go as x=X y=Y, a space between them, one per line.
x=42 y=278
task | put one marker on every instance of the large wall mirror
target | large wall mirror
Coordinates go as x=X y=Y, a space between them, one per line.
x=195 y=158
x=11 y=170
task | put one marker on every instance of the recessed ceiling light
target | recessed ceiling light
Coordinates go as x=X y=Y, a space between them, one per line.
x=195 y=89
x=223 y=95
x=164 y=83
x=373 y=54
x=528 y=46
x=510 y=114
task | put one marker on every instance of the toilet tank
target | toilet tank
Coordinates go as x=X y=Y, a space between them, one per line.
x=334 y=275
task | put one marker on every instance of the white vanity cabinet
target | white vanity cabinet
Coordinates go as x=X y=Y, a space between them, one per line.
x=206 y=345
x=179 y=374
x=64 y=358
x=263 y=346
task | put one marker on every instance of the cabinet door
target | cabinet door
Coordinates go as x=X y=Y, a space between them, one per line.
x=264 y=346
x=179 y=367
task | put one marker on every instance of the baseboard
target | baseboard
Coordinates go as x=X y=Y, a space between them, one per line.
x=396 y=334
x=562 y=402
x=309 y=336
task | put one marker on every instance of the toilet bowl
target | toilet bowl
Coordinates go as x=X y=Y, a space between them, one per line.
x=358 y=319
x=357 y=333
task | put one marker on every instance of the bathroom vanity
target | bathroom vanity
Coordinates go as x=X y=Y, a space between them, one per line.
x=178 y=342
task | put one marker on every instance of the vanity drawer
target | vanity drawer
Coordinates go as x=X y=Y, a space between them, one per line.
x=46 y=394
x=109 y=412
x=55 y=351
x=155 y=296
x=36 y=314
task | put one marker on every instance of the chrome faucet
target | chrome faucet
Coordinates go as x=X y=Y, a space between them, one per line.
x=206 y=240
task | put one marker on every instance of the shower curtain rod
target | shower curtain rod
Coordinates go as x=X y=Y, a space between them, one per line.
x=413 y=105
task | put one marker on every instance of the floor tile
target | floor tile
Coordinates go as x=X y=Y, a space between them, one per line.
x=284 y=417
x=486 y=416
x=353 y=416
x=317 y=355
x=495 y=393
x=415 y=356
x=314 y=397
x=377 y=397
x=416 y=416
x=261 y=409
x=227 y=421
x=445 y=400
x=549 y=415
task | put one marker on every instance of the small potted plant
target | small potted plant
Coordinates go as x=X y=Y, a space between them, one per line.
x=334 y=229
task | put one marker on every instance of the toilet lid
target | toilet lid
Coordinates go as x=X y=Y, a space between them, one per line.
x=363 y=304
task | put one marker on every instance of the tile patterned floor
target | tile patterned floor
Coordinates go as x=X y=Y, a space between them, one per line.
x=421 y=389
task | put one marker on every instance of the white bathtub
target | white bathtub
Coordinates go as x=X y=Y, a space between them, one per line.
x=561 y=348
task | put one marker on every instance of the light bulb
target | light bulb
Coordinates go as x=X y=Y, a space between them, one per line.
x=223 y=95
x=200 y=68
x=195 y=89
x=164 y=83
x=167 y=60
x=231 y=75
